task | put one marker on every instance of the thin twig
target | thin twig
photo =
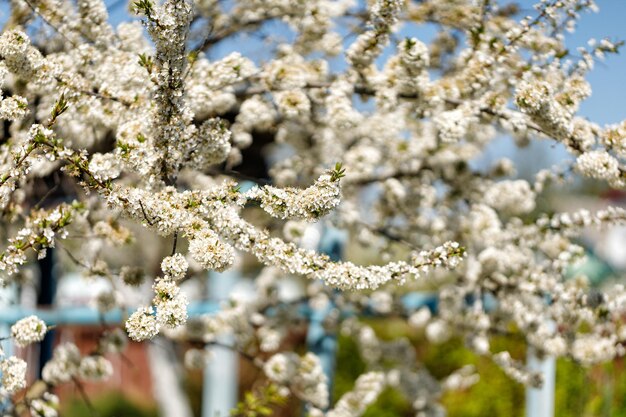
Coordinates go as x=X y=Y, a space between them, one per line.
x=74 y=259
x=175 y=241
x=57 y=183
x=46 y=21
x=150 y=222
x=84 y=396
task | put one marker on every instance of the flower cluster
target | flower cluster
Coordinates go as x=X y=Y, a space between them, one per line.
x=170 y=303
x=28 y=330
x=598 y=164
x=383 y=14
x=95 y=368
x=46 y=406
x=174 y=266
x=142 y=324
x=39 y=233
x=209 y=252
x=366 y=390
x=13 y=374
x=309 y=204
x=303 y=376
x=63 y=365
x=67 y=364
x=513 y=197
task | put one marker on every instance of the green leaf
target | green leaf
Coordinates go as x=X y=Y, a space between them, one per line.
x=337 y=173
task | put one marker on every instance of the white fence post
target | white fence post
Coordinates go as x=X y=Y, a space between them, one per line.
x=221 y=376
x=540 y=401
x=166 y=387
x=8 y=296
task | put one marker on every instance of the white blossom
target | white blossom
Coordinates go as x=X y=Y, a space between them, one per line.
x=174 y=266
x=420 y=318
x=63 y=366
x=46 y=406
x=598 y=164
x=366 y=390
x=438 y=331
x=96 y=368
x=209 y=252
x=142 y=324
x=13 y=374
x=281 y=367
x=28 y=330
x=120 y=140
x=104 y=166
x=514 y=197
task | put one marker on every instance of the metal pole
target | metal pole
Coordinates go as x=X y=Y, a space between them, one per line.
x=322 y=343
x=45 y=299
x=319 y=340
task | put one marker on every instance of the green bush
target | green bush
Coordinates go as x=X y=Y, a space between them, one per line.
x=111 y=404
x=598 y=391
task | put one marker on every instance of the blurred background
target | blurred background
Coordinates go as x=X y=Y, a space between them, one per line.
x=136 y=386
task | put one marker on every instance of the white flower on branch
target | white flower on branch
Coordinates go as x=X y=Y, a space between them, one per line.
x=13 y=374
x=142 y=324
x=28 y=330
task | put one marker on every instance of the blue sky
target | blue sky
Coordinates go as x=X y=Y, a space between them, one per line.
x=608 y=80
x=607 y=103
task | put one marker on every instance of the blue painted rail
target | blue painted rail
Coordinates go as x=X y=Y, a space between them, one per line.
x=86 y=316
